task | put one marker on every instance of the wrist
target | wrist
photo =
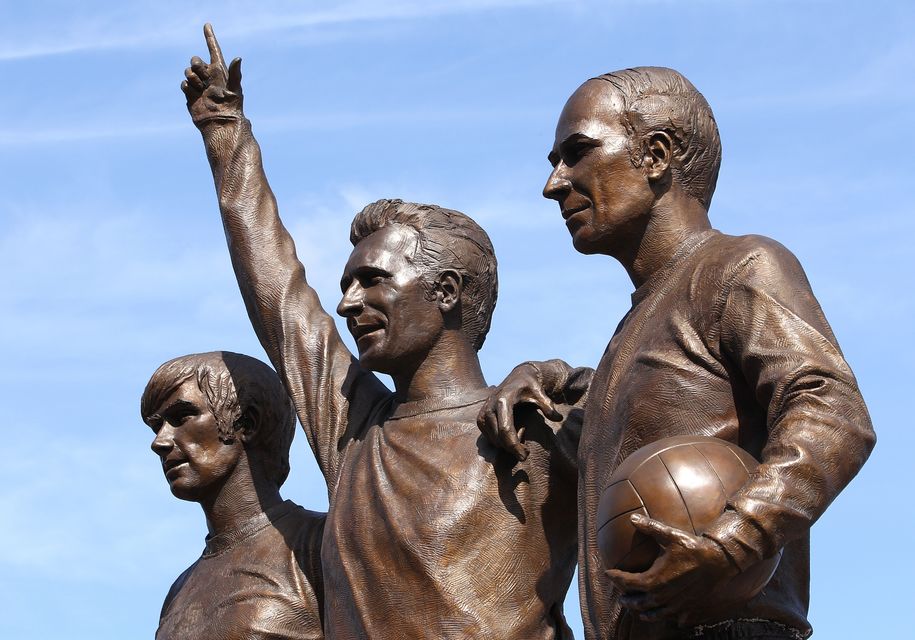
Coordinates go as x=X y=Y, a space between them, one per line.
x=204 y=120
x=550 y=377
x=216 y=105
x=221 y=130
x=736 y=538
x=727 y=563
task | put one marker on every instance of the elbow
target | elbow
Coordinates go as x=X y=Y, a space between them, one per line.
x=870 y=439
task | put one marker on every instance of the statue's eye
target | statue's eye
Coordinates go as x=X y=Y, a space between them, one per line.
x=576 y=152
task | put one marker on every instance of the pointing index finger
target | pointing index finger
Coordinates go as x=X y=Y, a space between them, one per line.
x=213 y=46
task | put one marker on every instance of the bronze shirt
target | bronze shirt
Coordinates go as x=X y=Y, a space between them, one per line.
x=260 y=582
x=726 y=340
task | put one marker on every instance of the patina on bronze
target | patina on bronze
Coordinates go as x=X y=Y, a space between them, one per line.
x=223 y=425
x=724 y=338
x=432 y=531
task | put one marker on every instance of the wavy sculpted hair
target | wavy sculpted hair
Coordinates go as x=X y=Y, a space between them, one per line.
x=661 y=99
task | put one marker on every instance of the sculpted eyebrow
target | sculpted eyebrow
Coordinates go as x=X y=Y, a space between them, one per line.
x=178 y=406
x=579 y=139
x=569 y=144
x=366 y=271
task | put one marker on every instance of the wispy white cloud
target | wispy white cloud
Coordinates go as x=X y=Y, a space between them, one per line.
x=875 y=78
x=94 y=280
x=166 y=23
x=31 y=136
x=13 y=137
x=119 y=496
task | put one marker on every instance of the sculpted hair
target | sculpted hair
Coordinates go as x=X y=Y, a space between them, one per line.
x=233 y=383
x=661 y=99
x=446 y=240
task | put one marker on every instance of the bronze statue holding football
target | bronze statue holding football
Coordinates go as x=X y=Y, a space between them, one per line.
x=724 y=338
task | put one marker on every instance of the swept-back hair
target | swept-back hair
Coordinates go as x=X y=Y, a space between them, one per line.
x=661 y=99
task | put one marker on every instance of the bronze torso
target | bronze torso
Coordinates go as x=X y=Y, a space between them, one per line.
x=726 y=340
x=264 y=581
x=435 y=533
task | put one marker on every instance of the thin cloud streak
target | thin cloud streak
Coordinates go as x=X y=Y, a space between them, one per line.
x=291 y=123
x=75 y=133
x=172 y=27
x=875 y=78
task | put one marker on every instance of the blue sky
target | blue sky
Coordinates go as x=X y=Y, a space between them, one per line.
x=114 y=256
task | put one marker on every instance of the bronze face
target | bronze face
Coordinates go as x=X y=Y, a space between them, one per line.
x=603 y=196
x=195 y=461
x=386 y=302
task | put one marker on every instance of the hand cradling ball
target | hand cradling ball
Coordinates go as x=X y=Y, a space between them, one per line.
x=684 y=482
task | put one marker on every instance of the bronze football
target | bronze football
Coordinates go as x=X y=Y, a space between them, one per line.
x=684 y=482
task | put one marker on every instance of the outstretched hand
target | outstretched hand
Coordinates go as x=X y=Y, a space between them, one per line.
x=213 y=91
x=496 y=418
x=688 y=568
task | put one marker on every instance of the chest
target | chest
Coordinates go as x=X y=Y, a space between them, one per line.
x=415 y=479
x=663 y=374
x=240 y=592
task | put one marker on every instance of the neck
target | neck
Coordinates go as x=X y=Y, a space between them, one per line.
x=674 y=219
x=241 y=497
x=451 y=368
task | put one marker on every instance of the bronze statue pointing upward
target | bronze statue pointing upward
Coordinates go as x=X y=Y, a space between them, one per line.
x=432 y=531
x=724 y=338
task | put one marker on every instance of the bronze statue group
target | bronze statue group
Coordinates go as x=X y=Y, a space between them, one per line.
x=460 y=510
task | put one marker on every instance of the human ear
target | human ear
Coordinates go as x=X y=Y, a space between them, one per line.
x=657 y=155
x=448 y=287
x=248 y=425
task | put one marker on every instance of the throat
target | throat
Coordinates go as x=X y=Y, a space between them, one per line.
x=243 y=496
x=450 y=370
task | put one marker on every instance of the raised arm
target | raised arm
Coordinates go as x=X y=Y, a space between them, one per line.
x=332 y=394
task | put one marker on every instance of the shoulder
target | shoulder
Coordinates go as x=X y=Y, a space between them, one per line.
x=753 y=259
x=306 y=517
x=302 y=528
x=303 y=531
x=553 y=445
x=176 y=587
x=737 y=250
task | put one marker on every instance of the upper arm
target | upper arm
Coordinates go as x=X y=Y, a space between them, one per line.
x=774 y=331
x=818 y=431
x=330 y=391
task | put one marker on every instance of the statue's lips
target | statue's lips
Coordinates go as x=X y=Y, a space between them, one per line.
x=171 y=465
x=360 y=331
x=568 y=213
